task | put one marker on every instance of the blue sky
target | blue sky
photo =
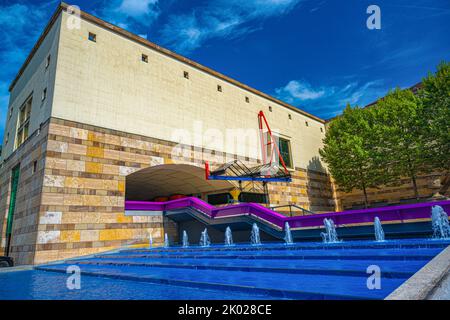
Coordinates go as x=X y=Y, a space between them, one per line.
x=315 y=54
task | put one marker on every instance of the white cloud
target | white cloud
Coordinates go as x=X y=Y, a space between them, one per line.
x=134 y=15
x=299 y=90
x=220 y=19
x=329 y=101
x=137 y=8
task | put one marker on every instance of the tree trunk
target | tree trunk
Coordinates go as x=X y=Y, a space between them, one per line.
x=366 y=201
x=416 y=191
x=413 y=178
x=363 y=183
x=445 y=184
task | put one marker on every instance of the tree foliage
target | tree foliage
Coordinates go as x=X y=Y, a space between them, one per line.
x=435 y=95
x=401 y=142
x=403 y=135
x=348 y=151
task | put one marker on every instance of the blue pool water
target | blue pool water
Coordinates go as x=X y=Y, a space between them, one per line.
x=269 y=271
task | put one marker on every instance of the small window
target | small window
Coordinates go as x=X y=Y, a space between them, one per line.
x=186 y=74
x=219 y=88
x=10 y=112
x=44 y=94
x=270 y=108
x=306 y=123
x=145 y=58
x=7 y=138
x=23 y=122
x=290 y=117
x=47 y=62
x=92 y=37
x=321 y=129
x=285 y=150
x=247 y=99
x=284 y=146
x=34 y=169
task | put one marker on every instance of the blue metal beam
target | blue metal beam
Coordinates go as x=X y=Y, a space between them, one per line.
x=250 y=179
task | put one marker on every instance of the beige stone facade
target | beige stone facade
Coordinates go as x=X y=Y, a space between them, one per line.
x=77 y=207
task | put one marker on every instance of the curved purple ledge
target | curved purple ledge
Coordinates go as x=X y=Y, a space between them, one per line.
x=393 y=214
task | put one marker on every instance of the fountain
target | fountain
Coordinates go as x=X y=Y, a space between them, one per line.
x=166 y=241
x=185 y=239
x=330 y=234
x=379 y=233
x=204 y=239
x=228 y=237
x=439 y=221
x=255 y=239
x=287 y=234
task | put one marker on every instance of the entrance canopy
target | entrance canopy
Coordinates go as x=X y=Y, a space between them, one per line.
x=170 y=179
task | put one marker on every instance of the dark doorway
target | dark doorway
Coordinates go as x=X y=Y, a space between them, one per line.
x=12 y=206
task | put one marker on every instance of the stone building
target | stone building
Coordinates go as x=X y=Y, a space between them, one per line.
x=98 y=115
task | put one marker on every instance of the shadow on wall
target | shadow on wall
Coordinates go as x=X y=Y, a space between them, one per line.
x=171 y=228
x=318 y=184
x=241 y=233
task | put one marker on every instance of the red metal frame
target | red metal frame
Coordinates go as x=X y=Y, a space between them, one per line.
x=271 y=143
x=263 y=124
x=207 y=170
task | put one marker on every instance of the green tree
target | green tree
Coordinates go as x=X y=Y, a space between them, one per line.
x=435 y=95
x=401 y=145
x=349 y=151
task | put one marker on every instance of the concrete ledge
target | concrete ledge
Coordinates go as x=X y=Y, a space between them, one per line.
x=422 y=284
x=15 y=269
x=442 y=291
x=143 y=213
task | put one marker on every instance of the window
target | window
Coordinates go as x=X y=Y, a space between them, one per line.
x=270 y=108
x=247 y=99
x=34 y=169
x=306 y=123
x=321 y=129
x=47 y=62
x=219 y=88
x=92 y=37
x=10 y=112
x=44 y=94
x=186 y=74
x=284 y=146
x=290 y=117
x=145 y=58
x=23 y=122
x=7 y=138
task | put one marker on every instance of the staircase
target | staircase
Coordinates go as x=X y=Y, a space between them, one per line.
x=299 y=271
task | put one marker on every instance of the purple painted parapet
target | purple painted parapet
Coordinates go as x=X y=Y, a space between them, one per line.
x=394 y=214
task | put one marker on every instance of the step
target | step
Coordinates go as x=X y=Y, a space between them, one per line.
x=295 y=286
x=404 y=244
x=342 y=254
x=400 y=269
